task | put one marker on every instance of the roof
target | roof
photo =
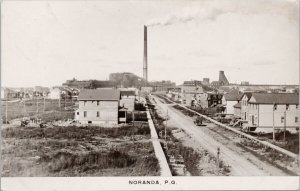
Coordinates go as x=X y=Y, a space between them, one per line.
x=99 y=94
x=248 y=95
x=275 y=98
x=237 y=105
x=128 y=93
x=233 y=96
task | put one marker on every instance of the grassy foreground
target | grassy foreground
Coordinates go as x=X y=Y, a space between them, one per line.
x=78 y=151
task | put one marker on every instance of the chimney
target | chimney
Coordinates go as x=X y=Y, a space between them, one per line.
x=145 y=66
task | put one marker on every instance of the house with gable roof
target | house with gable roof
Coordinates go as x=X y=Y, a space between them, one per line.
x=278 y=109
x=99 y=106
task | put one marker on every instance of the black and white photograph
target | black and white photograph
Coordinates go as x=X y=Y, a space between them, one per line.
x=150 y=89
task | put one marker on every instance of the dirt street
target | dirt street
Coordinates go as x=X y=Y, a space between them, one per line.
x=242 y=162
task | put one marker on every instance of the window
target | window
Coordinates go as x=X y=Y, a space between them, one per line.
x=84 y=103
x=98 y=102
x=84 y=114
x=275 y=107
x=282 y=119
x=297 y=106
x=296 y=119
x=287 y=106
x=77 y=113
x=98 y=114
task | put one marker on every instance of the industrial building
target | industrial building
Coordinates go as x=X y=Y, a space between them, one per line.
x=223 y=81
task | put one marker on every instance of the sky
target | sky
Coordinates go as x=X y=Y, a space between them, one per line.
x=48 y=42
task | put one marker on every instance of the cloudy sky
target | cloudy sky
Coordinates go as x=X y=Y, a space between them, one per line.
x=48 y=42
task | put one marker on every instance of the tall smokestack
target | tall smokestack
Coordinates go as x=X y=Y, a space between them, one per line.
x=145 y=66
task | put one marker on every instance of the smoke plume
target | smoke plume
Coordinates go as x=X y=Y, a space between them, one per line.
x=187 y=15
x=213 y=11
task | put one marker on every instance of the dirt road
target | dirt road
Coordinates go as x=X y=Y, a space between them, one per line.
x=242 y=162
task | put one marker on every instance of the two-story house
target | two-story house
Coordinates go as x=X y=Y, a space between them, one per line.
x=98 y=106
x=230 y=100
x=280 y=110
x=244 y=105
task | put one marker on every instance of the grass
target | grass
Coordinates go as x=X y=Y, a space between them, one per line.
x=31 y=108
x=164 y=99
x=190 y=156
x=78 y=151
x=184 y=111
x=73 y=132
x=292 y=140
x=204 y=111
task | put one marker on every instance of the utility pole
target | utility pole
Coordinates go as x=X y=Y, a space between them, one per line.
x=125 y=117
x=166 y=130
x=59 y=101
x=37 y=105
x=24 y=106
x=6 y=102
x=284 y=126
x=44 y=105
x=273 y=123
x=133 y=117
x=218 y=159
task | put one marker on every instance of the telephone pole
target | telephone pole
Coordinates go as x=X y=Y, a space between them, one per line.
x=6 y=102
x=273 y=123
x=37 y=105
x=59 y=101
x=24 y=106
x=44 y=105
x=218 y=159
x=166 y=130
x=284 y=126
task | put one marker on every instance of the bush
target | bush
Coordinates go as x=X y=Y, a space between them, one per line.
x=73 y=132
x=99 y=160
x=139 y=107
x=138 y=116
